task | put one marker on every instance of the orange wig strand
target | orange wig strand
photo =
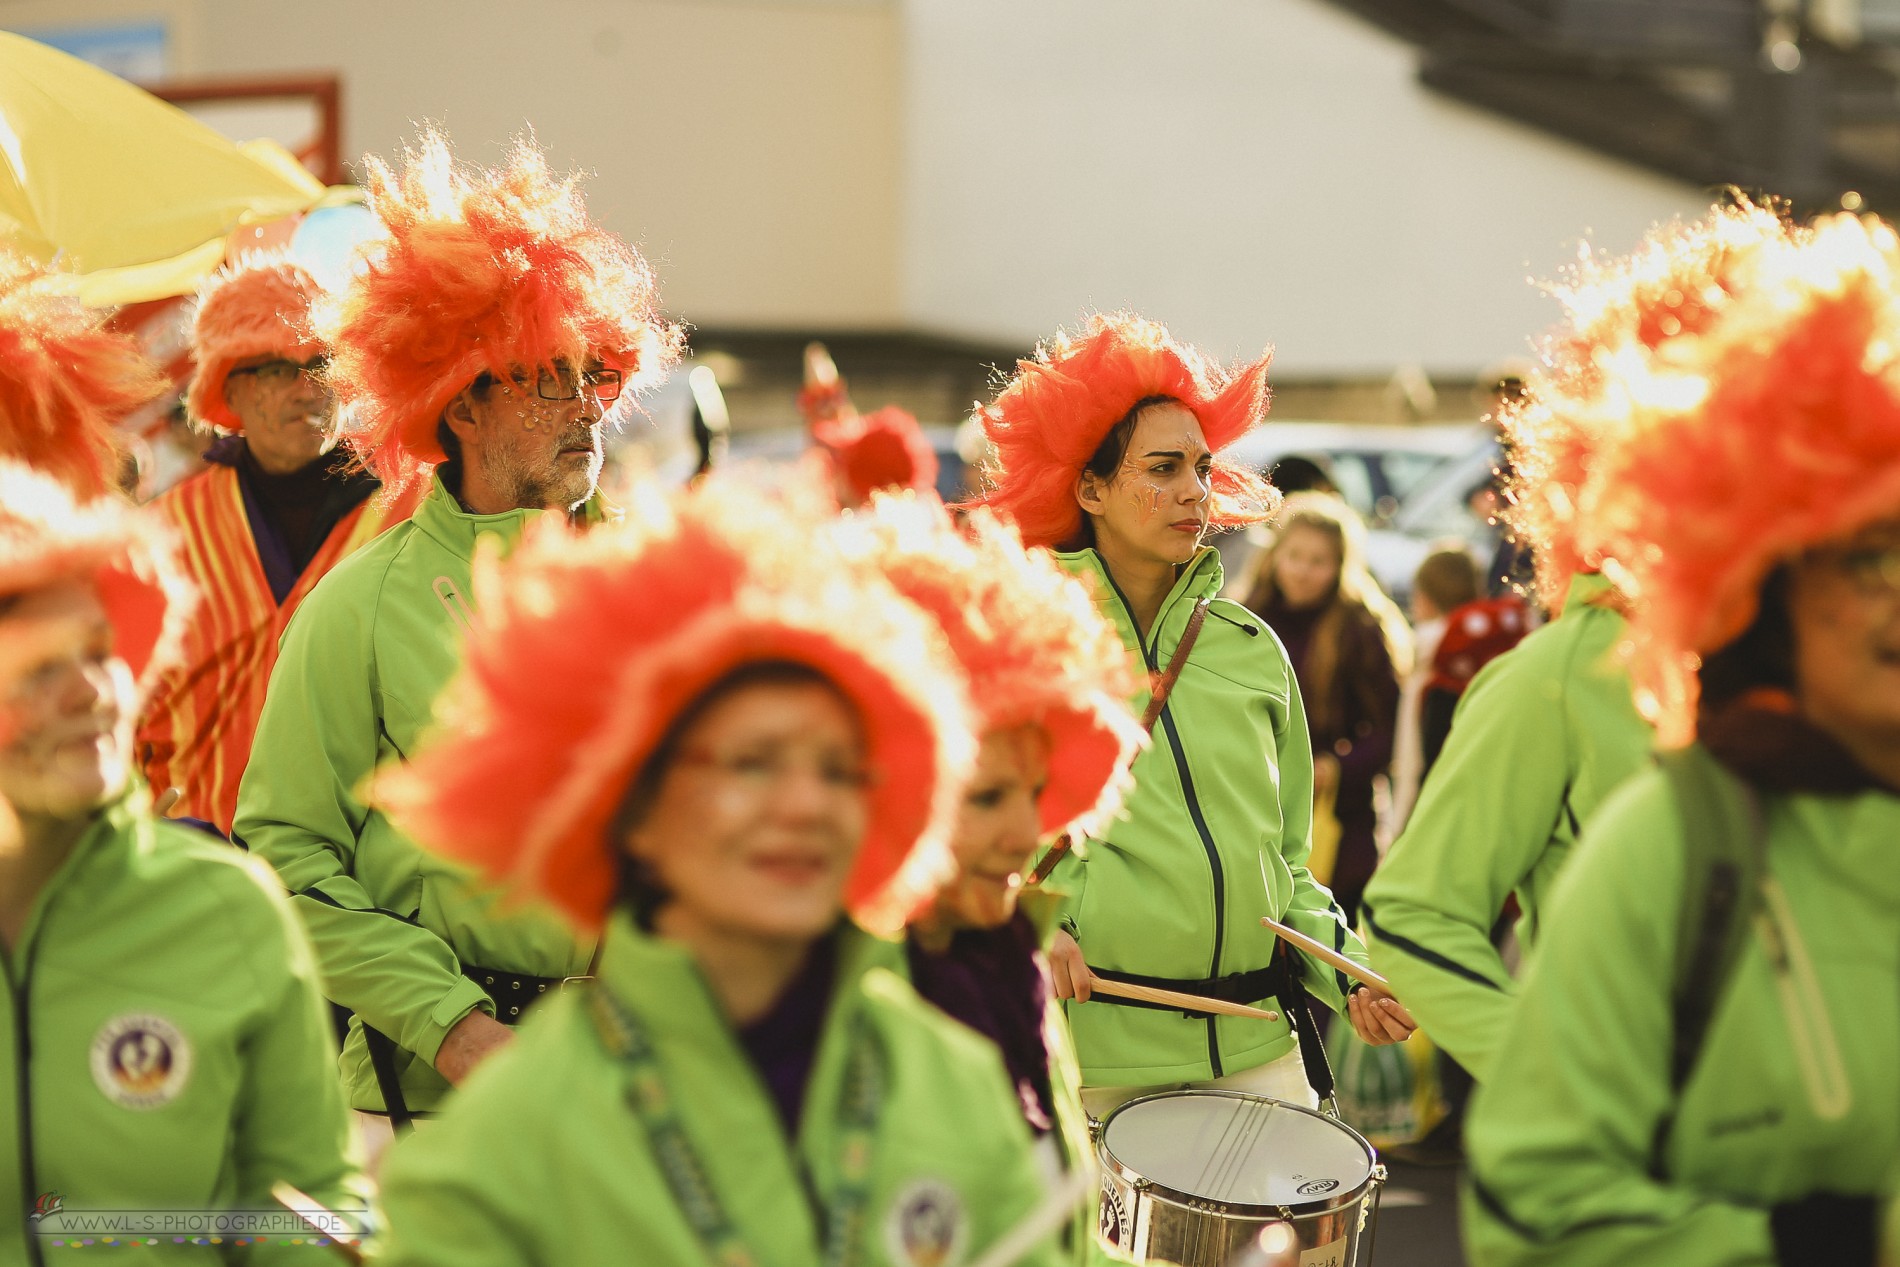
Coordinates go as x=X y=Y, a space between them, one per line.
x=524 y=783
x=482 y=271
x=1033 y=645
x=1049 y=419
x=1669 y=288
x=259 y=306
x=48 y=535
x=1770 y=427
x=65 y=381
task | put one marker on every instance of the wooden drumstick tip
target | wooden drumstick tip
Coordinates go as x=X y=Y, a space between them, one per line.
x=1327 y=955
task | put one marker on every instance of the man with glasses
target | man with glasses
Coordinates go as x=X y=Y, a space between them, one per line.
x=279 y=506
x=481 y=345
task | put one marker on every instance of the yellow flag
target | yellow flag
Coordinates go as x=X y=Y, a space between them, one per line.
x=132 y=195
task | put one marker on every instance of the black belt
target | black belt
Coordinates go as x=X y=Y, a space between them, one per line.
x=1279 y=980
x=1235 y=987
x=511 y=991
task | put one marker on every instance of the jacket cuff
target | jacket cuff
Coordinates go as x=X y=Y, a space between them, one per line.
x=463 y=997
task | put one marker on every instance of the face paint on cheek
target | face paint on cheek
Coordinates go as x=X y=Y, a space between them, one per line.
x=1146 y=499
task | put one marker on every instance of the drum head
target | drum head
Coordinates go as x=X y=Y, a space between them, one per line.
x=1237 y=1149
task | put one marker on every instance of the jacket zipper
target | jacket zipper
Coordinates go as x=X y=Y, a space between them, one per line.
x=20 y=994
x=1194 y=814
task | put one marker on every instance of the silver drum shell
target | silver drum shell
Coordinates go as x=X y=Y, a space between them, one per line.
x=1150 y=1220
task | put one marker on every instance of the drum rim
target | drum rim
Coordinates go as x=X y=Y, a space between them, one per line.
x=1341 y=1200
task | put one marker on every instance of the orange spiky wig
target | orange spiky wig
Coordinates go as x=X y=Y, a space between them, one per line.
x=1768 y=425
x=524 y=784
x=881 y=450
x=47 y=535
x=260 y=306
x=482 y=270
x=1049 y=419
x=1030 y=640
x=1669 y=288
x=65 y=381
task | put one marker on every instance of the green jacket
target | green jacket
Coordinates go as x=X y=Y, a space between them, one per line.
x=1175 y=887
x=541 y=1159
x=1543 y=735
x=1069 y=1146
x=361 y=664
x=1795 y=1091
x=167 y=1044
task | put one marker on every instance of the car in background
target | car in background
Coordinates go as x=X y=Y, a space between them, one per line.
x=1409 y=483
x=1376 y=466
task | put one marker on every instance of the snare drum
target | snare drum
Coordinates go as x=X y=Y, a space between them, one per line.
x=1192 y=1176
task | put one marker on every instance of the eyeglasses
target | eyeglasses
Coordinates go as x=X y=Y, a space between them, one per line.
x=283 y=372
x=563 y=383
x=767 y=771
x=1874 y=570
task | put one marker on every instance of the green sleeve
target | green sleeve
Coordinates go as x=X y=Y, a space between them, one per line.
x=1017 y=1188
x=1559 y=1137
x=1311 y=910
x=298 y=809
x=443 y=1210
x=291 y=1121
x=1487 y=812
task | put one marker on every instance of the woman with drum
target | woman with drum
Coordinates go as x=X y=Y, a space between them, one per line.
x=704 y=731
x=1049 y=679
x=1105 y=450
x=1700 y=1066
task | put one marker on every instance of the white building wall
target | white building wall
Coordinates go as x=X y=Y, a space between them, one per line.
x=1250 y=171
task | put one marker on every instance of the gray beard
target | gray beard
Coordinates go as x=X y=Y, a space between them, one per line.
x=536 y=490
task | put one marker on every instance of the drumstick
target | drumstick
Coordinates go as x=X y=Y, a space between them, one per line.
x=318 y=1219
x=1327 y=955
x=1040 y=1223
x=1174 y=998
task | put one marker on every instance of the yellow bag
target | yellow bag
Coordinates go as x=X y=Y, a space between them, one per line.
x=1324 y=837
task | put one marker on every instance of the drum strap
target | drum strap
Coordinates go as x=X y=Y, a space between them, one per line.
x=686 y=1175
x=1294 y=1003
x=1157 y=700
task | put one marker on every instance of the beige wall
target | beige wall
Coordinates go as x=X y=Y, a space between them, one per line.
x=750 y=147
x=1249 y=171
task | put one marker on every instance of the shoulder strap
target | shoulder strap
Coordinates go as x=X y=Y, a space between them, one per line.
x=1157 y=700
x=1724 y=856
x=1164 y=686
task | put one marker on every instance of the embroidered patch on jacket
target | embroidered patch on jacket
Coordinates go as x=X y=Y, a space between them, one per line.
x=140 y=1060
x=926 y=1227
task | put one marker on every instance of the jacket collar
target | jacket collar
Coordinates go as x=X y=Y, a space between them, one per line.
x=457 y=530
x=1200 y=577
x=661 y=985
x=122 y=822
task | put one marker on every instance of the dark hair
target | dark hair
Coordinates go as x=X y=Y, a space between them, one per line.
x=1108 y=455
x=1298 y=473
x=450 y=442
x=1762 y=656
x=640 y=888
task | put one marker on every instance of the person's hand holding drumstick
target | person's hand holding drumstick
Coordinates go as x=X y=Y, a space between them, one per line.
x=1376 y=1016
x=1068 y=970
